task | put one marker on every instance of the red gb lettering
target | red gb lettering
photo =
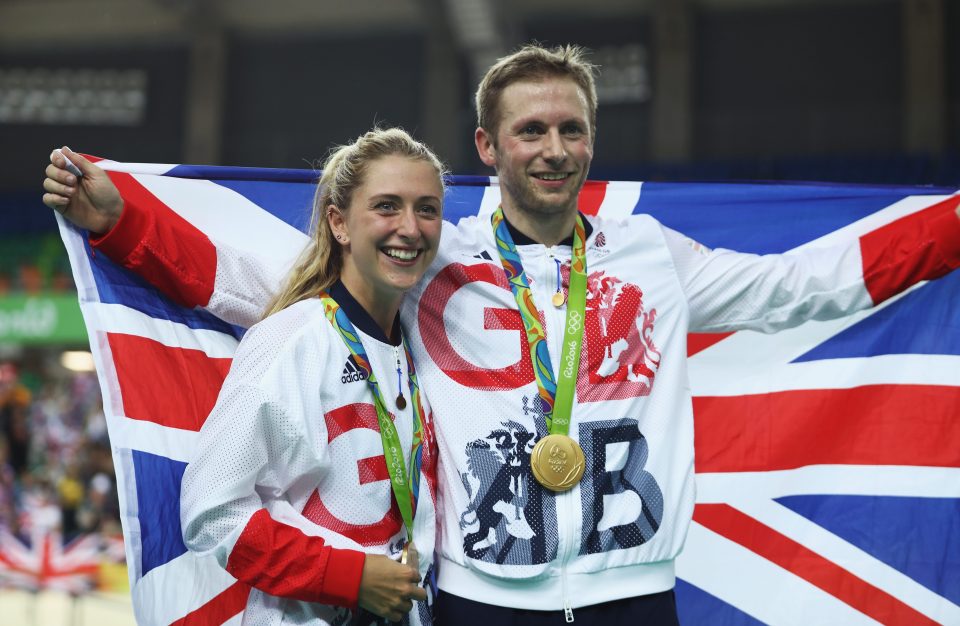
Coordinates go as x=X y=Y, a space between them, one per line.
x=359 y=422
x=436 y=334
x=621 y=358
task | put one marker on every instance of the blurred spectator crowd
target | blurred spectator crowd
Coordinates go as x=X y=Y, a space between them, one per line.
x=56 y=469
x=34 y=263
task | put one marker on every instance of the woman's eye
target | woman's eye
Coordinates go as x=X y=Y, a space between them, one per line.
x=430 y=210
x=384 y=206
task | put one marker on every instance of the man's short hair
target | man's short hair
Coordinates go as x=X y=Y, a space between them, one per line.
x=534 y=62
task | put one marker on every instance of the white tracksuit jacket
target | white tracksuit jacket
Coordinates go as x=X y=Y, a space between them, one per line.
x=290 y=464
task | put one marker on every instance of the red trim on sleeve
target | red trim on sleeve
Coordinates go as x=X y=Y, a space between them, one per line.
x=283 y=561
x=120 y=241
x=921 y=246
x=154 y=242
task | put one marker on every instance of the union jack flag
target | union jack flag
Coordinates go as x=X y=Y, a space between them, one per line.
x=828 y=456
x=46 y=563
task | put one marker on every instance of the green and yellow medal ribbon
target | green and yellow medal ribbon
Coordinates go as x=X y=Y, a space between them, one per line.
x=404 y=484
x=556 y=397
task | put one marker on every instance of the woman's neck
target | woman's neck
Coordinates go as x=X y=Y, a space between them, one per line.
x=381 y=308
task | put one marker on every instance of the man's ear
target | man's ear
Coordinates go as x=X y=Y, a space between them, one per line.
x=485 y=147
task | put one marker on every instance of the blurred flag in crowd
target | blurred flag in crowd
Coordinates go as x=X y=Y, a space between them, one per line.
x=828 y=456
x=37 y=558
x=45 y=562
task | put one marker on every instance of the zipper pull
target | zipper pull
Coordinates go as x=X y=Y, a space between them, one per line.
x=567 y=611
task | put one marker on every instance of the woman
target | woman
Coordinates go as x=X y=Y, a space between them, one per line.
x=308 y=483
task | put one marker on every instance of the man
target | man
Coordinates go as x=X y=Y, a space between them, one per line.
x=539 y=322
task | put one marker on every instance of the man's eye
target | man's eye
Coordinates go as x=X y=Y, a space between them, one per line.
x=572 y=130
x=532 y=129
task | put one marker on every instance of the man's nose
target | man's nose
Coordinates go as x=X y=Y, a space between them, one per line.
x=553 y=149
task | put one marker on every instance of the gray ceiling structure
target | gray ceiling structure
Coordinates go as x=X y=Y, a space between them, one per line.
x=684 y=117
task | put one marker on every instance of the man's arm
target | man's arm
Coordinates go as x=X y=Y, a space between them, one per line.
x=136 y=230
x=921 y=246
x=90 y=201
x=733 y=291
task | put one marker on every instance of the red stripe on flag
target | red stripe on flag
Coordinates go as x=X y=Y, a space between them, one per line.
x=698 y=342
x=219 y=609
x=175 y=387
x=909 y=250
x=591 y=196
x=807 y=564
x=872 y=425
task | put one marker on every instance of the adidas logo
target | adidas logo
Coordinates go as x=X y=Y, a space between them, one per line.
x=483 y=255
x=351 y=373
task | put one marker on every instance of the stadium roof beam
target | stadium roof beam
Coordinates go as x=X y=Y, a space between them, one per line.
x=479 y=32
x=672 y=128
x=206 y=84
x=924 y=77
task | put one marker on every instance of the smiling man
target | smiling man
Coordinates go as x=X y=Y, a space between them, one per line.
x=540 y=140
x=553 y=349
x=555 y=346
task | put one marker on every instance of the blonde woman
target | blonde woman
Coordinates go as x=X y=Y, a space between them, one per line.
x=272 y=491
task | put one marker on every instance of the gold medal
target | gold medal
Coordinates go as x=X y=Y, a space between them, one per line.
x=558 y=299
x=557 y=462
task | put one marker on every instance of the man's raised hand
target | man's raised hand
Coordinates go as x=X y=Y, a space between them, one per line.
x=90 y=201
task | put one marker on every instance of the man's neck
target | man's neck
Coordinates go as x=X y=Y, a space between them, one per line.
x=548 y=230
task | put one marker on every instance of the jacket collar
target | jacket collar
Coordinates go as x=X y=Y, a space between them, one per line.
x=519 y=239
x=359 y=317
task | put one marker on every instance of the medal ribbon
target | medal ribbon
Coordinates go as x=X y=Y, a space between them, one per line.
x=405 y=485
x=557 y=400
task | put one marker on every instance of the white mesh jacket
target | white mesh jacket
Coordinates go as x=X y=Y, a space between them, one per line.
x=289 y=486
